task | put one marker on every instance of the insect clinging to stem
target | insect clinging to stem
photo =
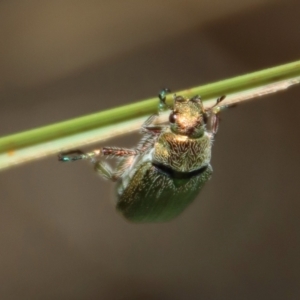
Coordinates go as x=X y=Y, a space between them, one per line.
x=164 y=173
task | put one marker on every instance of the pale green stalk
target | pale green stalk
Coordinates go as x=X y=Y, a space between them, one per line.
x=52 y=139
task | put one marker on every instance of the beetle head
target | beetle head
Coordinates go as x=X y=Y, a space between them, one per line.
x=188 y=117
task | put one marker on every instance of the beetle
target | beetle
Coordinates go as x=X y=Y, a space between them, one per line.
x=164 y=173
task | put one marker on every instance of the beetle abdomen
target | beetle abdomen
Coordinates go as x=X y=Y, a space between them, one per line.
x=153 y=195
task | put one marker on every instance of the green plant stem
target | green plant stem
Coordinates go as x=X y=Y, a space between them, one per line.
x=52 y=139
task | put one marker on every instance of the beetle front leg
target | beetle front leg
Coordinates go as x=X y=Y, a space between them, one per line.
x=148 y=126
x=162 y=99
x=215 y=111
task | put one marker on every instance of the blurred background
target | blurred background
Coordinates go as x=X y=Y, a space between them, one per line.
x=60 y=236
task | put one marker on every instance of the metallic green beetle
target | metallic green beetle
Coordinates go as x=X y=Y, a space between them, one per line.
x=159 y=178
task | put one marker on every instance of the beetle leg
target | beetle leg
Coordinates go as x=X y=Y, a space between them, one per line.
x=220 y=99
x=162 y=100
x=148 y=127
x=75 y=155
x=214 y=123
x=105 y=151
x=150 y=120
x=123 y=165
x=148 y=124
x=214 y=112
x=145 y=144
x=118 y=152
x=102 y=167
x=161 y=106
x=104 y=170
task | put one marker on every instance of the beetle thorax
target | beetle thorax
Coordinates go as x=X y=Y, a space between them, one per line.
x=182 y=153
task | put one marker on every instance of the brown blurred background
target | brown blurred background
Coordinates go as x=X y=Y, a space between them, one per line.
x=60 y=236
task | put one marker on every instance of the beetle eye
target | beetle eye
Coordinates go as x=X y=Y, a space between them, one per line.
x=172 y=117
